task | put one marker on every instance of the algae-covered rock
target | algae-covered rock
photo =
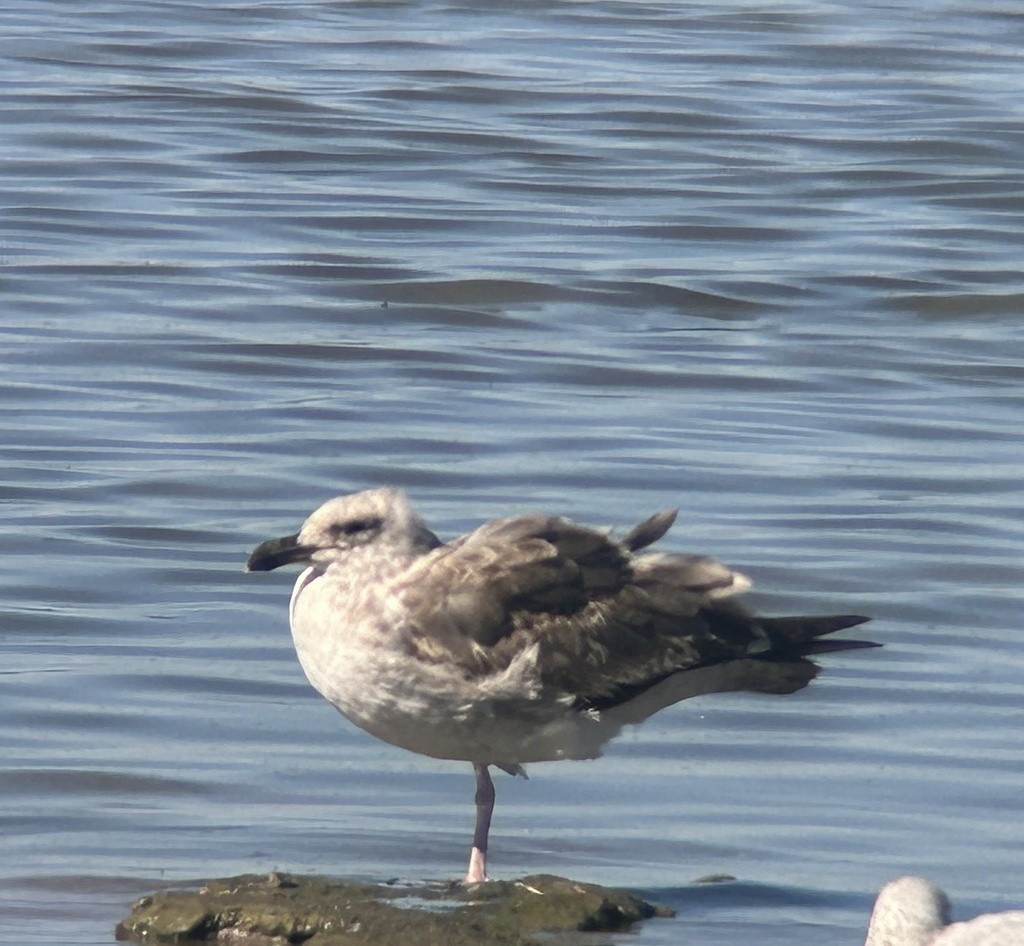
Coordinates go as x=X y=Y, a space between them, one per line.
x=260 y=911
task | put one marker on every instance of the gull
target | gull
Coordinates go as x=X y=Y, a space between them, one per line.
x=530 y=639
x=912 y=911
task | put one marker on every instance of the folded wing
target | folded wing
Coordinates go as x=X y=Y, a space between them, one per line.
x=607 y=623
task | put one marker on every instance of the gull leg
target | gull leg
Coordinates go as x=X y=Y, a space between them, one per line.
x=477 y=872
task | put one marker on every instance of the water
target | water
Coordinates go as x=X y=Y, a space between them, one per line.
x=762 y=262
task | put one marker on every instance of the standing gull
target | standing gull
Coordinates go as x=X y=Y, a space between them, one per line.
x=530 y=639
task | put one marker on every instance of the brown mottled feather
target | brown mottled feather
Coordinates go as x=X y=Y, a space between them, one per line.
x=608 y=623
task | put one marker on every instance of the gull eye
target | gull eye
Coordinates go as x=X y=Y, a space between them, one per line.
x=356 y=526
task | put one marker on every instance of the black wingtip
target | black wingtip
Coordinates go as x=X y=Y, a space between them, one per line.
x=831 y=623
x=803 y=635
x=807 y=627
x=835 y=646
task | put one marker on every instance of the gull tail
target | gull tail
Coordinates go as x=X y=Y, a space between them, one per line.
x=800 y=636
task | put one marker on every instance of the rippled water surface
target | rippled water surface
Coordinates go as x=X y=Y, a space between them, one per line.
x=760 y=261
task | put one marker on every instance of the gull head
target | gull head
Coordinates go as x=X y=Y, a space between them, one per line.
x=381 y=517
x=909 y=911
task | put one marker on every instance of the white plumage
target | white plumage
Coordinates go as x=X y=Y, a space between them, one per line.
x=912 y=911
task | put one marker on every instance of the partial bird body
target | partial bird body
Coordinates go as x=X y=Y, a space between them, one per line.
x=912 y=911
x=529 y=639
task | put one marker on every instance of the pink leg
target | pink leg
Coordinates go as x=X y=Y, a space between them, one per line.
x=477 y=872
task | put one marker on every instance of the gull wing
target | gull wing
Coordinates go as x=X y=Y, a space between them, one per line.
x=473 y=588
x=606 y=622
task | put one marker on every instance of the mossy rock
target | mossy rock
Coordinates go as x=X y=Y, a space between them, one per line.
x=272 y=911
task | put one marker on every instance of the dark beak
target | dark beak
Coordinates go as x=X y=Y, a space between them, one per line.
x=277 y=552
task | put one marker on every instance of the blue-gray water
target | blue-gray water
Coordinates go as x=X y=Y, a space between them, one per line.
x=761 y=261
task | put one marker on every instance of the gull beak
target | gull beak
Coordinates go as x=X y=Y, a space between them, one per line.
x=277 y=552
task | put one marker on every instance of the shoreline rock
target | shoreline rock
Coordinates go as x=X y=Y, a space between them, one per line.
x=275 y=909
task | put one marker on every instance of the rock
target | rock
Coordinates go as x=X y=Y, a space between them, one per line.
x=272 y=911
